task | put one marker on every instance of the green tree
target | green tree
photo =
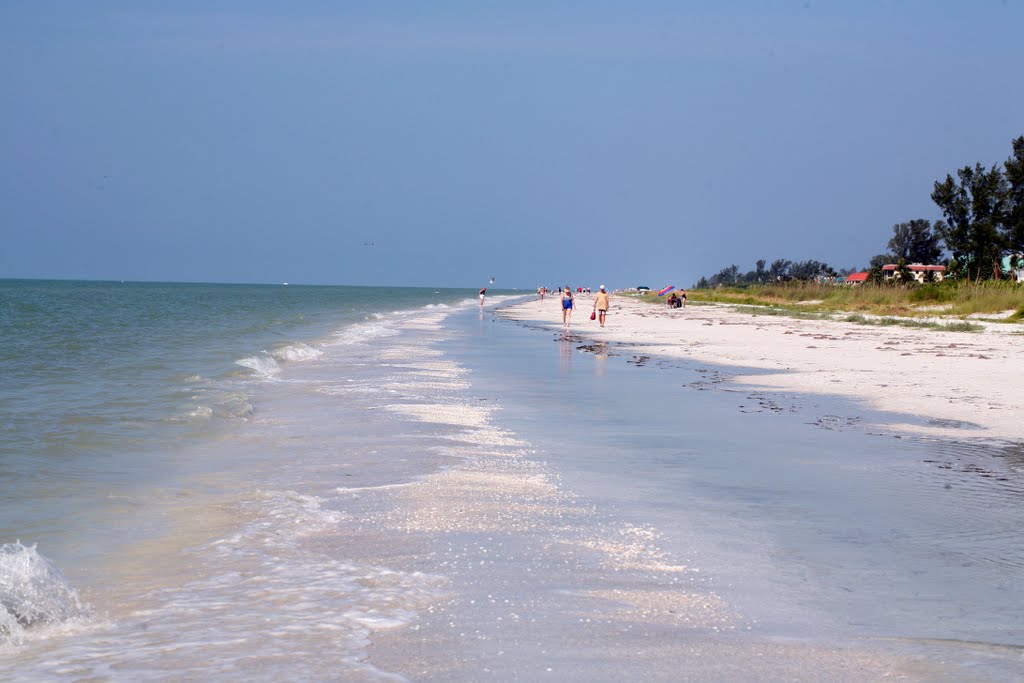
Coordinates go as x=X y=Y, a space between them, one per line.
x=902 y=273
x=727 y=276
x=975 y=211
x=779 y=269
x=1015 y=209
x=880 y=260
x=914 y=242
x=809 y=270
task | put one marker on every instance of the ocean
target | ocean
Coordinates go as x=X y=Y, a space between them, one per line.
x=141 y=419
x=255 y=482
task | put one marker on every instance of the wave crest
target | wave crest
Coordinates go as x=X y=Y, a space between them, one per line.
x=296 y=352
x=262 y=365
x=33 y=593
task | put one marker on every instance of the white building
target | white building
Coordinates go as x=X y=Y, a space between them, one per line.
x=918 y=271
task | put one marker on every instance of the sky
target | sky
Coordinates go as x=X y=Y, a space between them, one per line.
x=441 y=143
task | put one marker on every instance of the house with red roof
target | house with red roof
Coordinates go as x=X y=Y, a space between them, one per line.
x=857 y=278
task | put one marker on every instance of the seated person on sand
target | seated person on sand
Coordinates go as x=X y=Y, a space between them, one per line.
x=673 y=301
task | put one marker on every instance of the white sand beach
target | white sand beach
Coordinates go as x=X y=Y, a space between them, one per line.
x=955 y=384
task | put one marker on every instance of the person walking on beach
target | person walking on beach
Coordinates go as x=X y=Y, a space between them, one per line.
x=601 y=304
x=567 y=304
x=483 y=291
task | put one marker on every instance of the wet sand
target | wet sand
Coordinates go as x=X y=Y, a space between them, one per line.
x=947 y=384
x=549 y=580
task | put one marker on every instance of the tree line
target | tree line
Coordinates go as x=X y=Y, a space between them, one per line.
x=983 y=221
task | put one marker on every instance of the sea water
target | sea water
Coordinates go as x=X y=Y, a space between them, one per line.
x=167 y=458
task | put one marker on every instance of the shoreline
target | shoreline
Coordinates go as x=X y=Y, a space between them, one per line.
x=950 y=385
x=431 y=511
x=550 y=577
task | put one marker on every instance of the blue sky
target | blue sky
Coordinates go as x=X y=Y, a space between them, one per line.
x=440 y=143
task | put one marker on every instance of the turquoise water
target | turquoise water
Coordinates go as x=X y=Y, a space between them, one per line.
x=103 y=385
x=169 y=463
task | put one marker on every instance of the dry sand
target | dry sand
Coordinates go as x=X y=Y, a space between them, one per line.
x=946 y=384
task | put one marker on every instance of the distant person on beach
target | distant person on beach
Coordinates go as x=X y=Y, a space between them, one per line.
x=567 y=304
x=483 y=292
x=683 y=298
x=601 y=304
x=673 y=301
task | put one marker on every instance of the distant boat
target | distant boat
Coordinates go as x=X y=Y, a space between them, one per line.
x=285 y=284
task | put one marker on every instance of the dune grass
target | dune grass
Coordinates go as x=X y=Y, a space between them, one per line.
x=953 y=299
x=871 y=304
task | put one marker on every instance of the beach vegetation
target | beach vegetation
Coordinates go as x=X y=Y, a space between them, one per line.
x=961 y=326
x=1002 y=300
x=932 y=293
x=896 y=314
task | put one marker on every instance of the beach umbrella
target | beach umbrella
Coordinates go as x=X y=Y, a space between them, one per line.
x=666 y=290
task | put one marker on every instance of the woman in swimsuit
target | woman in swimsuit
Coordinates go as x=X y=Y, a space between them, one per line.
x=567 y=303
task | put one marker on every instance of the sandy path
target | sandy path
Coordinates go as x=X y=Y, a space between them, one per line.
x=961 y=384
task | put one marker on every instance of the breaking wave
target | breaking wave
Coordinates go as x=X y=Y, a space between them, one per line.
x=33 y=593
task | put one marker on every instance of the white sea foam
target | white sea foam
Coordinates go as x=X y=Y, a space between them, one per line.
x=285 y=515
x=488 y=437
x=33 y=594
x=380 y=487
x=215 y=404
x=268 y=364
x=433 y=368
x=454 y=414
x=259 y=602
x=426 y=388
x=195 y=414
x=362 y=333
x=232 y=404
x=296 y=353
x=407 y=351
x=348 y=389
x=262 y=365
